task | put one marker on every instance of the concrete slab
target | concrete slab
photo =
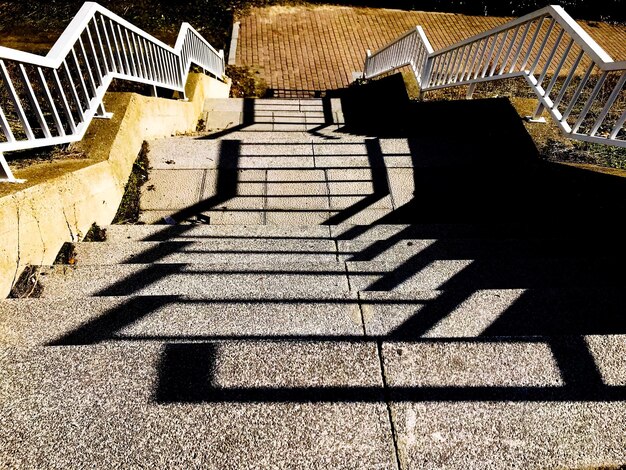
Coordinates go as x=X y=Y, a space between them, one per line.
x=284 y=126
x=343 y=202
x=380 y=275
x=402 y=185
x=244 y=280
x=315 y=190
x=283 y=176
x=486 y=434
x=336 y=149
x=171 y=189
x=363 y=217
x=295 y=217
x=28 y=322
x=489 y=273
x=118 y=406
x=276 y=149
x=297 y=203
x=349 y=175
x=273 y=162
x=124 y=233
x=374 y=232
x=386 y=313
x=470 y=364
x=350 y=188
x=214 y=217
x=213 y=251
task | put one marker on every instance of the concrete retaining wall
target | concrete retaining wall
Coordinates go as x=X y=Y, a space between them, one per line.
x=36 y=219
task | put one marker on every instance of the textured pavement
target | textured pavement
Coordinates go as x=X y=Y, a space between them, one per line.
x=250 y=336
x=302 y=48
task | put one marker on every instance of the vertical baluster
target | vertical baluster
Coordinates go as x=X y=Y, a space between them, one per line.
x=34 y=104
x=6 y=129
x=74 y=90
x=99 y=70
x=569 y=79
x=162 y=72
x=15 y=99
x=479 y=59
x=108 y=63
x=498 y=55
x=457 y=66
x=141 y=61
x=118 y=50
x=542 y=47
x=66 y=106
x=146 y=52
x=553 y=52
x=120 y=36
x=618 y=126
x=609 y=103
x=520 y=48
x=577 y=93
x=81 y=79
x=489 y=56
x=92 y=82
x=509 y=50
x=558 y=69
x=43 y=84
x=589 y=103
x=533 y=41
x=471 y=56
x=131 y=53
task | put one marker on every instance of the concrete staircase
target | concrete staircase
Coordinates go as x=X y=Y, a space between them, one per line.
x=308 y=311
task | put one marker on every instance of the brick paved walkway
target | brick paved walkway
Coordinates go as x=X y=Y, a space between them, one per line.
x=318 y=48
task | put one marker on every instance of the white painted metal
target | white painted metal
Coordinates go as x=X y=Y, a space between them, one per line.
x=577 y=101
x=97 y=47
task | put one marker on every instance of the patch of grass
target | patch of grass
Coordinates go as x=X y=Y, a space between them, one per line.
x=27 y=285
x=25 y=158
x=128 y=212
x=247 y=83
x=96 y=234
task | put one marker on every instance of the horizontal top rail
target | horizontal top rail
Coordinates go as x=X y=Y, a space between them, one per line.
x=51 y=99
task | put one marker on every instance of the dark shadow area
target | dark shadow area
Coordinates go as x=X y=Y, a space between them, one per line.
x=482 y=193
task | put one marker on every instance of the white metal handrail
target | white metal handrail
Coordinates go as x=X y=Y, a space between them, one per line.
x=573 y=77
x=51 y=100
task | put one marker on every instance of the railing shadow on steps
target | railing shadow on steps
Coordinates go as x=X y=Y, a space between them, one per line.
x=573 y=77
x=186 y=364
x=51 y=100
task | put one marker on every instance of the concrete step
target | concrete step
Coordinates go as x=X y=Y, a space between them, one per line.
x=261 y=149
x=29 y=322
x=222 y=280
x=393 y=316
x=226 y=405
x=259 y=404
x=215 y=251
x=415 y=250
x=481 y=313
x=430 y=273
x=293 y=250
x=202 y=232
